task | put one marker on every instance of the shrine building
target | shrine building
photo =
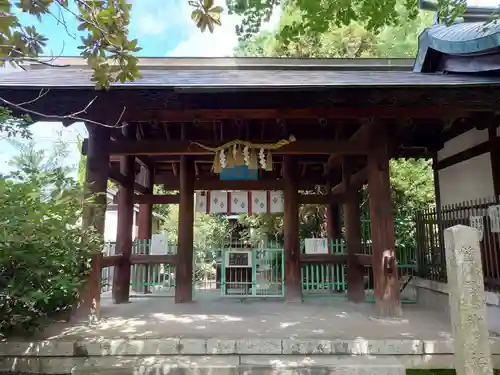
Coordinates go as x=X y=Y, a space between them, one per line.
x=259 y=135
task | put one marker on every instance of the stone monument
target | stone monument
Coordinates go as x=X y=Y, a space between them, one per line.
x=467 y=301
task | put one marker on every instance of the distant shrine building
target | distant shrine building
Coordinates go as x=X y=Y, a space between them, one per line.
x=232 y=136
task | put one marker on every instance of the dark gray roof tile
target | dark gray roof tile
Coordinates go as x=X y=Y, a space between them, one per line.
x=228 y=78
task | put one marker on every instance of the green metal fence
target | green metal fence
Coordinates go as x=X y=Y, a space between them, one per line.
x=144 y=279
x=151 y=278
x=264 y=278
x=332 y=278
x=320 y=278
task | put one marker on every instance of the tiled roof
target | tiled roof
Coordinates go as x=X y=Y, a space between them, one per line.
x=241 y=78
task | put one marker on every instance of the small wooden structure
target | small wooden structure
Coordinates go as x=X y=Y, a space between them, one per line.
x=348 y=117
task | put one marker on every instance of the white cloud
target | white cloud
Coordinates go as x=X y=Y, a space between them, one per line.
x=157 y=17
x=484 y=3
x=221 y=42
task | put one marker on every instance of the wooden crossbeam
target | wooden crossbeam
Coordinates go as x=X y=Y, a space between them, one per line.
x=187 y=115
x=174 y=199
x=157 y=199
x=360 y=136
x=153 y=259
x=216 y=184
x=357 y=179
x=360 y=177
x=363 y=259
x=321 y=199
x=118 y=177
x=156 y=147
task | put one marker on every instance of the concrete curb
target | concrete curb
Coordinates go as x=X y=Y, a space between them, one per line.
x=230 y=365
x=252 y=346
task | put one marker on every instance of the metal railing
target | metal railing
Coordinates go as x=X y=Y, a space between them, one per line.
x=430 y=240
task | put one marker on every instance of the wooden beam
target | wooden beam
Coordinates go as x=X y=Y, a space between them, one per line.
x=121 y=179
x=153 y=259
x=293 y=290
x=215 y=184
x=145 y=259
x=360 y=177
x=464 y=155
x=362 y=259
x=149 y=199
x=157 y=147
x=360 y=136
x=110 y=260
x=188 y=115
x=356 y=180
x=321 y=199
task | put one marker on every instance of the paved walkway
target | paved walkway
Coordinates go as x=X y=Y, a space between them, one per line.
x=318 y=317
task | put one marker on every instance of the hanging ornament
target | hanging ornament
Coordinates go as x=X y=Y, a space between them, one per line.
x=253 y=162
x=269 y=162
x=238 y=155
x=246 y=155
x=230 y=159
x=223 y=159
x=262 y=158
x=216 y=168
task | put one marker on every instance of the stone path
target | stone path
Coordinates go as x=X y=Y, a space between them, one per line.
x=320 y=317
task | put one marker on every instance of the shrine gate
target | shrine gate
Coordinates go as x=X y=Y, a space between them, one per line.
x=312 y=132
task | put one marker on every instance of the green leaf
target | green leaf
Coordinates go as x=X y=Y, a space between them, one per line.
x=207 y=4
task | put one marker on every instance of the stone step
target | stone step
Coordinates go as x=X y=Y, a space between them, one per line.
x=210 y=365
x=244 y=346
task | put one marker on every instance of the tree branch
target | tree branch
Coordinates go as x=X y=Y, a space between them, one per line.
x=72 y=116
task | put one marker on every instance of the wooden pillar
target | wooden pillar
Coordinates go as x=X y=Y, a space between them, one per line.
x=352 y=222
x=293 y=288
x=121 y=276
x=184 y=266
x=96 y=178
x=385 y=271
x=439 y=216
x=144 y=228
x=333 y=222
x=495 y=158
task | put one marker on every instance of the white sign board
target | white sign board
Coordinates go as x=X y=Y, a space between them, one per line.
x=159 y=244
x=238 y=258
x=316 y=246
x=478 y=223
